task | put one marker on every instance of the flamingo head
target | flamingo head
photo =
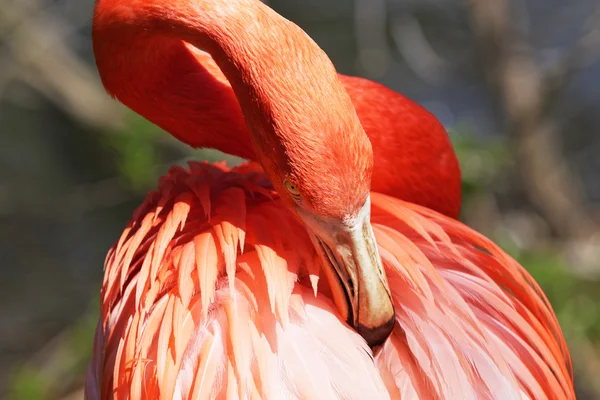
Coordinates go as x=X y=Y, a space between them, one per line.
x=321 y=165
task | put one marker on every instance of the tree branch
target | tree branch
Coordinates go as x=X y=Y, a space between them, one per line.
x=42 y=60
x=583 y=53
x=511 y=70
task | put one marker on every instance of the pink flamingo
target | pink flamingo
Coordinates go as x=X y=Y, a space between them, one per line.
x=325 y=268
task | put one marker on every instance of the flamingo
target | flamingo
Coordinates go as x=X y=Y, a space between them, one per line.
x=331 y=264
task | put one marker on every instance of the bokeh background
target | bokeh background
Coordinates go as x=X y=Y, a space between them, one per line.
x=516 y=83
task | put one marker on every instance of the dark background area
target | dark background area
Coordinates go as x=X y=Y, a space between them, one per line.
x=516 y=83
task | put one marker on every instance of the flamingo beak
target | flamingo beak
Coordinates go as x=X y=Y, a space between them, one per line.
x=355 y=272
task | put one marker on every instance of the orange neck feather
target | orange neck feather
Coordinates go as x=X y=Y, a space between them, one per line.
x=183 y=90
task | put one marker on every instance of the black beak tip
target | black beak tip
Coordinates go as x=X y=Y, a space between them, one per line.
x=378 y=335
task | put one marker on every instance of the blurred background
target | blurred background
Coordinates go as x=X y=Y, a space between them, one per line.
x=516 y=83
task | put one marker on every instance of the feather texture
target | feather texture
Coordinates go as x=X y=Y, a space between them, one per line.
x=211 y=293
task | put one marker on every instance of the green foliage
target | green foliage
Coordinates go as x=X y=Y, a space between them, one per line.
x=480 y=158
x=64 y=361
x=26 y=384
x=136 y=151
x=574 y=299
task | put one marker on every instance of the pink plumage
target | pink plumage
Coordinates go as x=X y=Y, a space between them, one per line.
x=177 y=322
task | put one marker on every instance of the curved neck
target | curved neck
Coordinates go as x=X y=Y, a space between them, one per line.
x=278 y=74
x=145 y=63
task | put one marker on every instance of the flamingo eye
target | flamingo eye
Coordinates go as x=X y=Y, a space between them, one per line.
x=292 y=189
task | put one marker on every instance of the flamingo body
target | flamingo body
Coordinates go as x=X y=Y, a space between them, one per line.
x=213 y=292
